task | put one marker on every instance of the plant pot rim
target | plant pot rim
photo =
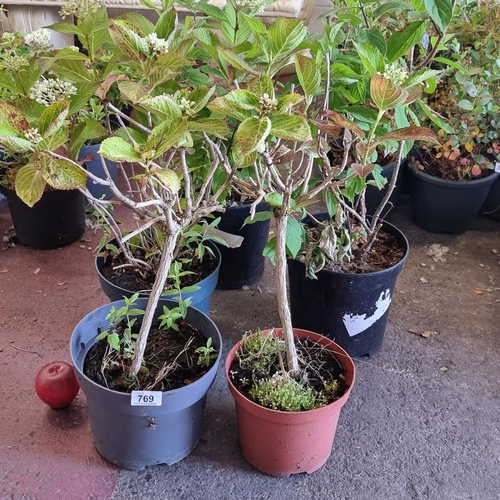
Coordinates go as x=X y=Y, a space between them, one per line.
x=166 y=295
x=306 y=413
x=454 y=184
x=118 y=304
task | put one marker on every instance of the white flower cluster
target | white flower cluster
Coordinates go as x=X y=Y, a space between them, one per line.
x=267 y=104
x=250 y=4
x=38 y=39
x=52 y=90
x=80 y=8
x=33 y=135
x=395 y=73
x=187 y=106
x=14 y=63
x=159 y=45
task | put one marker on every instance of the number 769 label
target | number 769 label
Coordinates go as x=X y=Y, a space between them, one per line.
x=146 y=398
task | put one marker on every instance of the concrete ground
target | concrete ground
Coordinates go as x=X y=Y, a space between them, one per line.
x=422 y=421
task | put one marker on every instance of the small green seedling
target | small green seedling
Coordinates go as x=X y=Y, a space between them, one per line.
x=118 y=335
x=170 y=316
x=206 y=353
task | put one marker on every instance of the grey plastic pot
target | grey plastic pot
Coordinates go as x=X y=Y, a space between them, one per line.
x=134 y=437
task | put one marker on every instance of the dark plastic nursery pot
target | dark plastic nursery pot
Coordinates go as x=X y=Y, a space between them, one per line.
x=351 y=309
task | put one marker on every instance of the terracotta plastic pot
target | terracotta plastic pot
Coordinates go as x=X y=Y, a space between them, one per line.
x=281 y=443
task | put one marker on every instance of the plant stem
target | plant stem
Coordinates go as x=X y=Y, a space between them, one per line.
x=282 y=293
x=159 y=283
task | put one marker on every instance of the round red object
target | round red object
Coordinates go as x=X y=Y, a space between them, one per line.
x=56 y=384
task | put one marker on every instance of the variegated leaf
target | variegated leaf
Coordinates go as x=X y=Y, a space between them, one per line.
x=385 y=94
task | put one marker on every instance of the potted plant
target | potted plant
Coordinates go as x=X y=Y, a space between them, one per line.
x=158 y=71
x=46 y=207
x=282 y=134
x=450 y=181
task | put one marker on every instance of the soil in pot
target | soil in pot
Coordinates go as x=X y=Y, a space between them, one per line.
x=170 y=361
x=131 y=279
x=321 y=372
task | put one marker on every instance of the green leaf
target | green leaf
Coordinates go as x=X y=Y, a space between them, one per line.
x=166 y=135
x=30 y=184
x=293 y=236
x=371 y=58
x=226 y=107
x=374 y=37
x=274 y=199
x=270 y=250
x=435 y=118
x=290 y=127
x=212 y=126
x=285 y=35
x=252 y=133
x=10 y=116
x=53 y=117
x=259 y=217
x=385 y=94
x=59 y=173
x=169 y=178
x=441 y=12
x=402 y=41
x=74 y=70
x=465 y=104
x=244 y=99
x=420 y=76
x=390 y=7
x=308 y=74
x=117 y=149
x=166 y=24
x=237 y=62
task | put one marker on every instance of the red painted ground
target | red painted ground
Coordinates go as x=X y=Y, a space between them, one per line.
x=45 y=454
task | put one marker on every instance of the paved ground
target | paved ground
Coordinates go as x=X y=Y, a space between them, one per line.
x=422 y=421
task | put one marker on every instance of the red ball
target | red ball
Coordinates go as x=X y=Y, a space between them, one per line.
x=56 y=384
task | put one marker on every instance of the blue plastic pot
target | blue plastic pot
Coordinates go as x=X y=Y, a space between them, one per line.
x=199 y=298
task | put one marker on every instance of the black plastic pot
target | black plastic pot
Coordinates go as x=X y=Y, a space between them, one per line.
x=95 y=166
x=491 y=206
x=134 y=437
x=446 y=206
x=56 y=220
x=244 y=265
x=350 y=309
x=374 y=196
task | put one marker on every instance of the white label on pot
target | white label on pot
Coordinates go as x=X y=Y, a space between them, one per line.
x=146 y=398
x=357 y=323
x=497 y=166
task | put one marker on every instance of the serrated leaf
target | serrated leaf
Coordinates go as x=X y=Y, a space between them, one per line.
x=229 y=108
x=10 y=116
x=169 y=178
x=53 y=118
x=402 y=41
x=285 y=35
x=308 y=74
x=374 y=37
x=290 y=127
x=252 y=133
x=30 y=184
x=13 y=140
x=441 y=12
x=274 y=199
x=410 y=133
x=385 y=94
x=212 y=126
x=342 y=121
x=237 y=62
x=134 y=91
x=166 y=135
x=164 y=106
x=371 y=58
x=59 y=173
x=362 y=170
x=288 y=101
x=117 y=149
x=73 y=69
x=244 y=99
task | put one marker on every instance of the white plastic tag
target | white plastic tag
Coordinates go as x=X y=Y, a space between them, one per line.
x=146 y=398
x=497 y=166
